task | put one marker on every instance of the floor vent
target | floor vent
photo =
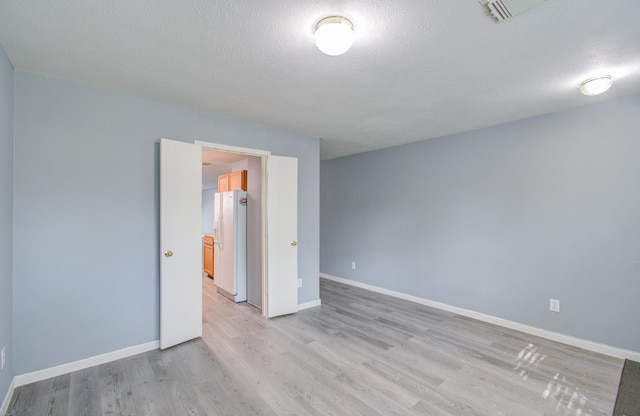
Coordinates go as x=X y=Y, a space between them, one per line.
x=505 y=9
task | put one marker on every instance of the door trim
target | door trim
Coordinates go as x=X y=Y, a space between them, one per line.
x=264 y=154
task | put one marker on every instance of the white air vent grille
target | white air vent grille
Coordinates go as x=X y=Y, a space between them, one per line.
x=504 y=9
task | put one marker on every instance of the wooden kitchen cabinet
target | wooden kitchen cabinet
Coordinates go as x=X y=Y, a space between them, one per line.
x=232 y=181
x=238 y=180
x=207 y=255
x=223 y=183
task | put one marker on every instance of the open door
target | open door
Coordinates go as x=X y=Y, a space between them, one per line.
x=282 y=236
x=180 y=242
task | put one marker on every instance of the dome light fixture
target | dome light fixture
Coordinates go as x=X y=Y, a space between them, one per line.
x=596 y=85
x=334 y=35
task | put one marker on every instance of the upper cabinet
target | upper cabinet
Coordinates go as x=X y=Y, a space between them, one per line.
x=223 y=183
x=238 y=180
x=232 y=181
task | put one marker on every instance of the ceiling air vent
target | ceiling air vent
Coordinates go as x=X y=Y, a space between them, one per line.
x=504 y=9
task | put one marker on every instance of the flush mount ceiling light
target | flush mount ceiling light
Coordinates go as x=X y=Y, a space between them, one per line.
x=334 y=35
x=596 y=85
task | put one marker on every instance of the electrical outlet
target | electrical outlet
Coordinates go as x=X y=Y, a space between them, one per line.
x=554 y=305
x=353 y=265
x=299 y=283
x=2 y=359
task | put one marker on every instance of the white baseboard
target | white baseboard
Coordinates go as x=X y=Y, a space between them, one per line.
x=58 y=370
x=7 y=397
x=307 y=305
x=543 y=333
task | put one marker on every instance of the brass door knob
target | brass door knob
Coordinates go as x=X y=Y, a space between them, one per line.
x=294 y=243
x=168 y=253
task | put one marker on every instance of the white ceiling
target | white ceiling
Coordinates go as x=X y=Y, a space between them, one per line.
x=419 y=68
x=215 y=163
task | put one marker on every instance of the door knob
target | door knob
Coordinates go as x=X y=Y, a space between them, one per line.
x=294 y=243
x=168 y=253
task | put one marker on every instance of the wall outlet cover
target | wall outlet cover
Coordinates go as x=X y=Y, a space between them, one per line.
x=299 y=283
x=554 y=305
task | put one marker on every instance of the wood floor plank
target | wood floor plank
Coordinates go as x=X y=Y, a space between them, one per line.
x=115 y=390
x=84 y=393
x=24 y=400
x=54 y=396
x=355 y=377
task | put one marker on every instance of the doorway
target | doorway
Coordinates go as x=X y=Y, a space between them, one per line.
x=181 y=231
x=255 y=161
x=214 y=164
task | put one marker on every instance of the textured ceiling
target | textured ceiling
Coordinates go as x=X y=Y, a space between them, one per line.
x=419 y=68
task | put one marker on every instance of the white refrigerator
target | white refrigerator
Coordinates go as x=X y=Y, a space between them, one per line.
x=230 y=249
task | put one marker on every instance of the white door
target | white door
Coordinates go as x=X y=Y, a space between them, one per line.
x=180 y=242
x=282 y=236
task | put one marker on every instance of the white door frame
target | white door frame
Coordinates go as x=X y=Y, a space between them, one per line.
x=264 y=154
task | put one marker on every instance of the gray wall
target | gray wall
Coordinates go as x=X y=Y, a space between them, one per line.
x=254 y=229
x=86 y=213
x=208 y=204
x=501 y=219
x=6 y=219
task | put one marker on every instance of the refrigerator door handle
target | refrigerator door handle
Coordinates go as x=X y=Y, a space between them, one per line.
x=218 y=232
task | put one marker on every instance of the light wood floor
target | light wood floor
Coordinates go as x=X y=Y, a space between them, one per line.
x=360 y=353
